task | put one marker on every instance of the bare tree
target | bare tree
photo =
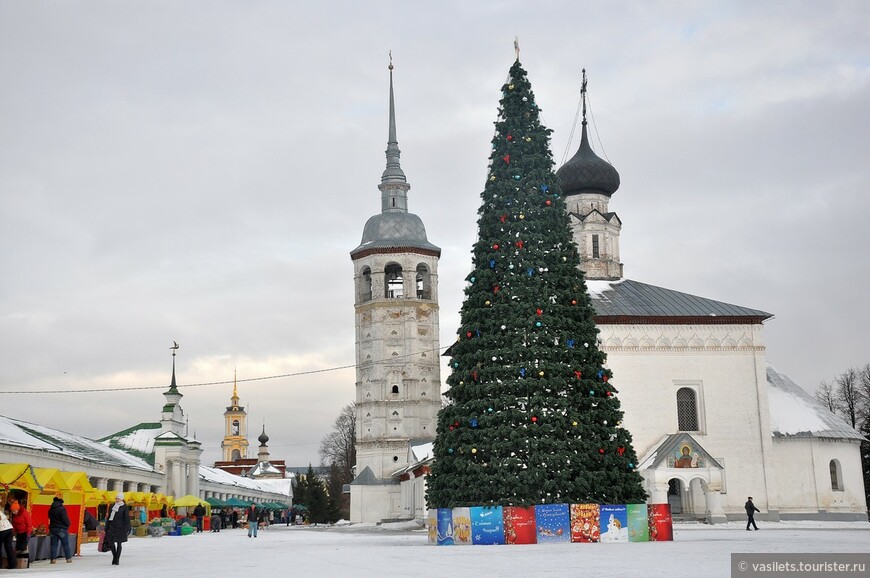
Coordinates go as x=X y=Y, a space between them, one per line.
x=864 y=389
x=338 y=448
x=825 y=395
x=848 y=395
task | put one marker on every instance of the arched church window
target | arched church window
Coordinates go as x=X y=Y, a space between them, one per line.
x=687 y=409
x=394 y=283
x=596 y=251
x=836 y=476
x=365 y=290
x=235 y=430
x=236 y=455
x=395 y=389
x=424 y=283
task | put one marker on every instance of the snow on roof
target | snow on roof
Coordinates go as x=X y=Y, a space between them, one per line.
x=795 y=413
x=263 y=468
x=24 y=434
x=274 y=485
x=423 y=451
x=138 y=438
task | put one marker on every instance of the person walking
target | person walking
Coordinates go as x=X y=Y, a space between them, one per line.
x=215 y=522
x=58 y=526
x=198 y=513
x=750 y=513
x=253 y=515
x=22 y=524
x=117 y=527
x=6 y=542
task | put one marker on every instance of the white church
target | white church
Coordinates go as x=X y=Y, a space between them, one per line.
x=712 y=421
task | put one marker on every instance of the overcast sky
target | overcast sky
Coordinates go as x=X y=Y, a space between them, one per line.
x=200 y=171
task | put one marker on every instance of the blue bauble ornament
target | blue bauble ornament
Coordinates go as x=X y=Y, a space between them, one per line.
x=545 y=188
x=516 y=177
x=537 y=323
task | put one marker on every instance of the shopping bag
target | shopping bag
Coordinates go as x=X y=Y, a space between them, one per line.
x=102 y=544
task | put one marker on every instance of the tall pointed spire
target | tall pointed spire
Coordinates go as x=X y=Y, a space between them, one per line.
x=235 y=398
x=173 y=389
x=393 y=172
x=394 y=226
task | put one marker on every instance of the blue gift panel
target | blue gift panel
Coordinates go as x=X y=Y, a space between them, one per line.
x=487 y=526
x=554 y=523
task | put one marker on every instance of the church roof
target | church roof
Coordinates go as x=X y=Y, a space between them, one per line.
x=586 y=172
x=795 y=413
x=367 y=478
x=262 y=469
x=399 y=230
x=627 y=298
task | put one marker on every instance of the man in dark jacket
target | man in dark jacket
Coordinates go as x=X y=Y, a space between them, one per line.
x=750 y=513
x=117 y=527
x=253 y=513
x=58 y=525
x=198 y=513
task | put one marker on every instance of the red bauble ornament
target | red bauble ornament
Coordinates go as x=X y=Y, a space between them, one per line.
x=534 y=419
x=495 y=246
x=600 y=450
x=451 y=428
x=509 y=137
x=573 y=302
x=548 y=203
x=605 y=378
x=539 y=311
x=507 y=159
x=503 y=218
x=609 y=393
x=468 y=334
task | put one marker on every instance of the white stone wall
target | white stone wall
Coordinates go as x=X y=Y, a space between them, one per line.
x=374 y=503
x=725 y=365
x=397 y=347
x=606 y=265
x=805 y=464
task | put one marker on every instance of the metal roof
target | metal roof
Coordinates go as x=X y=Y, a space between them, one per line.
x=795 y=413
x=587 y=172
x=395 y=230
x=627 y=298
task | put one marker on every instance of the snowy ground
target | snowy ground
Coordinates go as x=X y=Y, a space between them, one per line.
x=395 y=550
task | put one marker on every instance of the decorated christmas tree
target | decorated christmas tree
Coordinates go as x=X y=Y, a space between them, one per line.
x=533 y=416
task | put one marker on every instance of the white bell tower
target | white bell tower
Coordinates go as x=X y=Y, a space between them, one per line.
x=398 y=375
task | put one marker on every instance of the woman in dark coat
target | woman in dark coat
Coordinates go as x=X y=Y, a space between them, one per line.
x=117 y=527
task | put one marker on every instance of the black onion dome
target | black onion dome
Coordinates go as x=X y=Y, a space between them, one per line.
x=263 y=437
x=586 y=172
